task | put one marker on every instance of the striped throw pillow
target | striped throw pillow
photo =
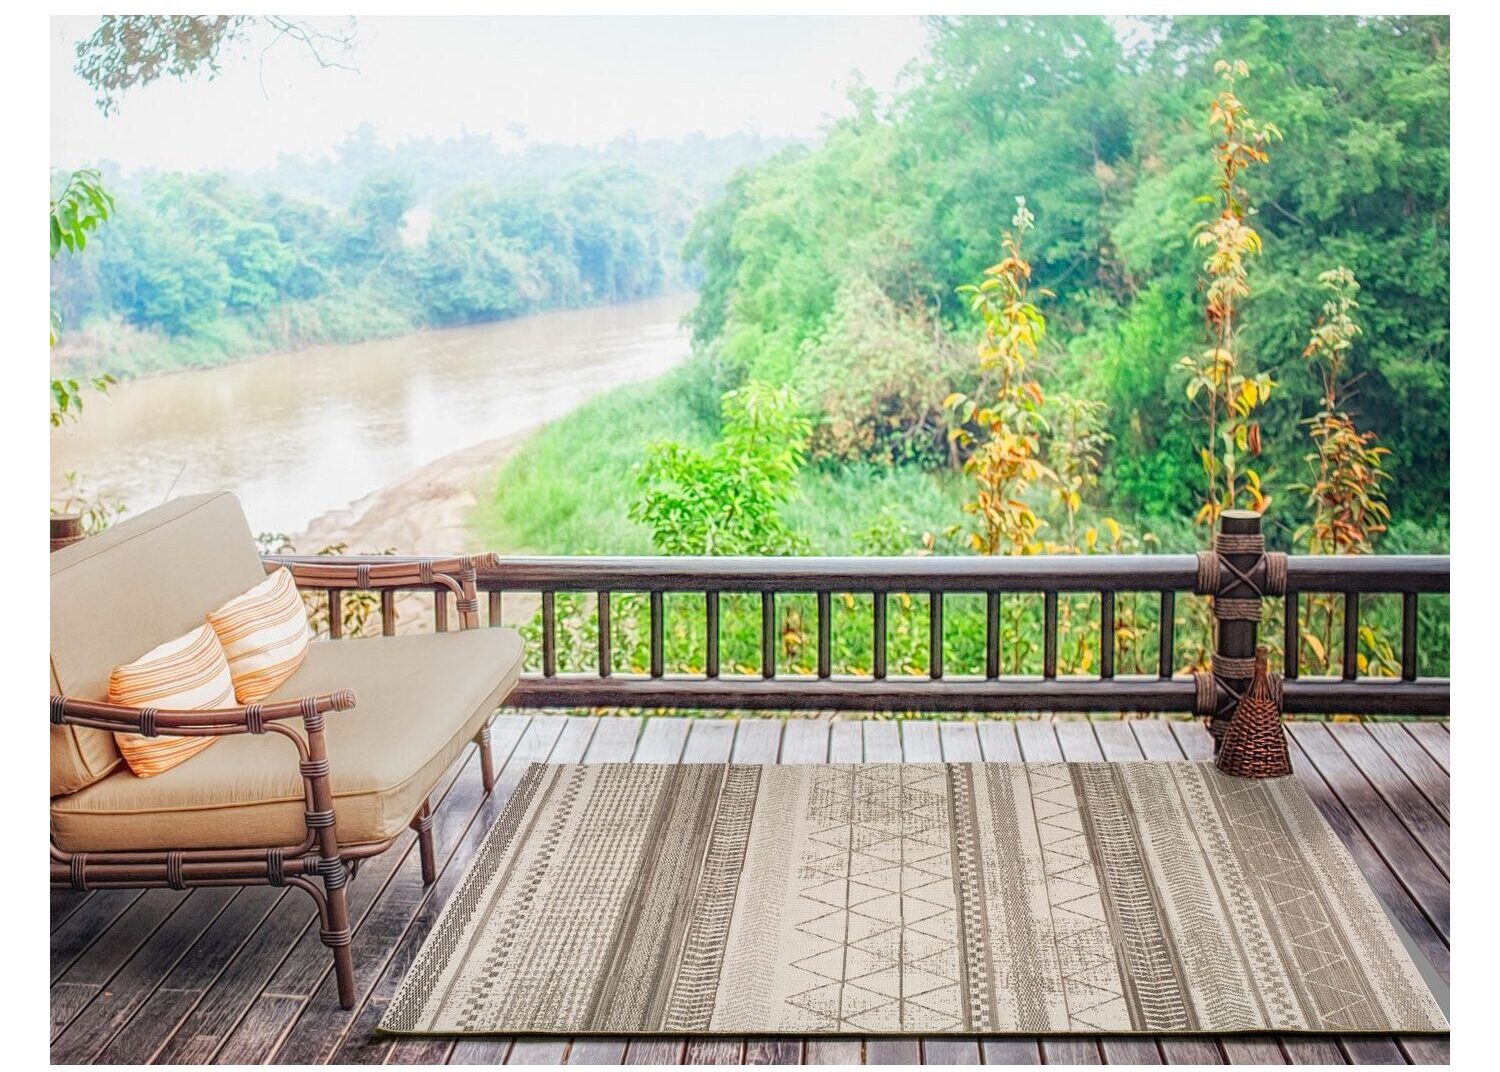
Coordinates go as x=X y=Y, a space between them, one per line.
x=186 y=674
x=265 y=636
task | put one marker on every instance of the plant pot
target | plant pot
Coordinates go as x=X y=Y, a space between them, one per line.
x=66 y=529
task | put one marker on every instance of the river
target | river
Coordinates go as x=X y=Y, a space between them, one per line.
x=298 y=434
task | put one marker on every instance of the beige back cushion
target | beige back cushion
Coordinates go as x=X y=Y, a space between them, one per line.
x=117 y=595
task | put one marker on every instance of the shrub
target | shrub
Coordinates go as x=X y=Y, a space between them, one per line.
x=877 y=375
x=724 y=500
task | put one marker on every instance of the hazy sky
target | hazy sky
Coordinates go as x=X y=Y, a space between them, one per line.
x=578 y=80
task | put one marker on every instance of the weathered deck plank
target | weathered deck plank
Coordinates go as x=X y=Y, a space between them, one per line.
x=90 y=918
x=1427 y=826
x=183 y=988
x=228 y=975
x=1433 y=737
x=88 y=974
x=1412 y=868
x=1429 y=778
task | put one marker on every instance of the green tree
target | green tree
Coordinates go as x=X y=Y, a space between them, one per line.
x=1108 y=131
x=473 y=270
x=369 y=237
x=726 y=500
x=161 y=277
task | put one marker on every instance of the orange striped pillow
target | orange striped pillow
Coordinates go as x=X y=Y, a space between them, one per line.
x=186 y=674
x=265 y=635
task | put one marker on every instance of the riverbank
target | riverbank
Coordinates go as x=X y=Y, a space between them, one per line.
x=427 y=512
x=128 y=352
x=298 y=434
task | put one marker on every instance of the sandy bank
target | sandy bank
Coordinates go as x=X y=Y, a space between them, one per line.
x=426 y=512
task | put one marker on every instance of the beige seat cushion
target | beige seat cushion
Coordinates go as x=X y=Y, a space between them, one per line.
x=134 y=586
x=420 y=700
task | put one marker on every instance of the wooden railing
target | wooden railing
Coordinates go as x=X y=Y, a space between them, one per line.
x=1229 y=576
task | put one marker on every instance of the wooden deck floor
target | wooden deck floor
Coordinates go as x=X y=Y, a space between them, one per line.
x=240 y=976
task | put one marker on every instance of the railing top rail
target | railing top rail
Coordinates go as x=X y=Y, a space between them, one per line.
x=1142 y=573
x=1368 y=573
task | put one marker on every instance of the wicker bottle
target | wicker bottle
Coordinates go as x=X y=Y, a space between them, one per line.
x=1255 y=742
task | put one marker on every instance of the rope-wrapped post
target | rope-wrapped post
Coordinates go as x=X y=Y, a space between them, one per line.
x=1237 y=574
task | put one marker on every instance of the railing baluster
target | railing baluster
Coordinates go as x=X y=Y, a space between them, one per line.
x=549 y=633
x=1166 y=633
x=1291 y=637
x=657 y=631
x=440 y=610
x=1409 y=636
x=935 y=635
x=1116 y=686
x=825 y=634
x=606 y=640
x=768 y=634
x=711 y=641
x=992 y=634
x=1351 y=635
x=1106 y=635
x=1049 y=635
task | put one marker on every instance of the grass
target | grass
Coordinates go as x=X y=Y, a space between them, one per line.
x=567 y=489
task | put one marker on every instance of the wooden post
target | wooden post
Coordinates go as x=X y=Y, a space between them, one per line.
x=1236 y=640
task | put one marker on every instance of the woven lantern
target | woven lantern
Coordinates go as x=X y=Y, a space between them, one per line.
x=1255 y=742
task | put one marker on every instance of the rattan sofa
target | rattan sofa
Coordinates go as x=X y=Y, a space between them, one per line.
x=302 y=786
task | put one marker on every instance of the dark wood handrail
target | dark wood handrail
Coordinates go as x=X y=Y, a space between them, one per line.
x=972 y=573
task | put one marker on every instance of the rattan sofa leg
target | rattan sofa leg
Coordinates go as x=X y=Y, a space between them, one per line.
x=422 y=824
x=486 y=758
x=321 y=823
x=337 y=935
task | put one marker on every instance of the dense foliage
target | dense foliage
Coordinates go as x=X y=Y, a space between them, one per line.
x=1105 y=134
x=1184 y=198
x=198 y=268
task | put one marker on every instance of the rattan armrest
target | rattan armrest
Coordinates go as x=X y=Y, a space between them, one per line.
x=458 y=575
x=373 y=574
x=215 y=722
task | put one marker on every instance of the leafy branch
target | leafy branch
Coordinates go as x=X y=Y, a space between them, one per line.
x=1225 y=395
x=126 y=51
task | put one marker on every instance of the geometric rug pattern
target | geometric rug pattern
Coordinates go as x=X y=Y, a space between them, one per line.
x=930 y=899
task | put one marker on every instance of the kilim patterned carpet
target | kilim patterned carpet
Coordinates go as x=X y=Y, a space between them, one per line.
x=911 y=898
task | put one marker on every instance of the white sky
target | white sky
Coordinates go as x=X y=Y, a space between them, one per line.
x=580 y=80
